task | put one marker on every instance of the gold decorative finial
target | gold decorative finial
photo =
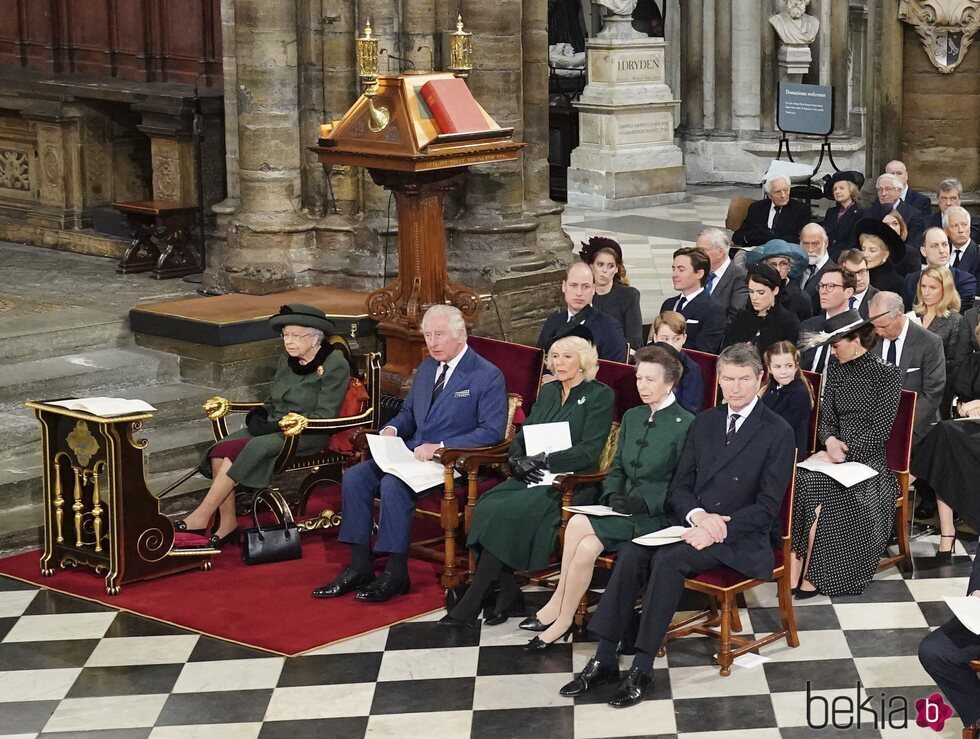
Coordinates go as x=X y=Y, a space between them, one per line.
x=367 y=70
x=460 y=50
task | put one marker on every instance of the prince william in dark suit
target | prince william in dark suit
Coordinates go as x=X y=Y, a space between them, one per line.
x=729 y=488
x=457 y=400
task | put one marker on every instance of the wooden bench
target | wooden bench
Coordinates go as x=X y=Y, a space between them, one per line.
x=161 y=239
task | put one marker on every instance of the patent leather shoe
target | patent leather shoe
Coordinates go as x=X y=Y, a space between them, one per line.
x=595 y=673
x=531 y=623
x=537 y=644
x=386 y=587
x=181 y=526
x=218 y=542
x=635 y=688
x=344 y=583
x=457 y=623
x=492 y=617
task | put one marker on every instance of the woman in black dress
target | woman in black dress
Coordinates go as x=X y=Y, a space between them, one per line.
x=764 y=321
x=948 y=457
x=613 y=294
x=788 y=393
x=839 y=533
x=843 y=188
x=883 y=249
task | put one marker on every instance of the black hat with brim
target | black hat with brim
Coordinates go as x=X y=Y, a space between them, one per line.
x=298 y=314
x=580 y=330
x=836 y=328
x=845 y=175
x=893 y=242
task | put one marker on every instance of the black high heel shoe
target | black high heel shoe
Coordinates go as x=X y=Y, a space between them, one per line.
x=181 y=526
x=946 y=556
x=515 y=608
x=218 y=542
x=531 y=623
x=538 y=645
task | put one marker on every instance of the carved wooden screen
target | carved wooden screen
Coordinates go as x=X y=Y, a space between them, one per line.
x=140 y=40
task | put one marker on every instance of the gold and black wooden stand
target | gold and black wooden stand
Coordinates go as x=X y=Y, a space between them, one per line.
x=98 y=511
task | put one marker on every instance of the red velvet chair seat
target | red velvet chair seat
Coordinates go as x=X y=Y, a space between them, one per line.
x=725 y=577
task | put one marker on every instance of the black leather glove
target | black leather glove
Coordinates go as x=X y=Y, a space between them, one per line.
x=528 y=469
x=630 y=504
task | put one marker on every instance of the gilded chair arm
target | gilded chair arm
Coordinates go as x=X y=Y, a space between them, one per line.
x=293 y=424
x=216 y=407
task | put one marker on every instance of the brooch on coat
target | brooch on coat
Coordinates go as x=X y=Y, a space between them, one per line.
x=581 y=400
x=319 y=371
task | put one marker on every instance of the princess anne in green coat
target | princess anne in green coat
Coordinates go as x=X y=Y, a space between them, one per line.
x=310 y=380
x=515 y=527
x=650 y=441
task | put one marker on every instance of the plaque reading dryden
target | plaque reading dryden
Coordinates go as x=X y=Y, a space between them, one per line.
x=627 y=66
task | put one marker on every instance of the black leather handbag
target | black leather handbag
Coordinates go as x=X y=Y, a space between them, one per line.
x=276 y=543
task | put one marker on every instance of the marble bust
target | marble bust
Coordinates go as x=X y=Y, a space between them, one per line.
x=618 y=7
x=793 y=25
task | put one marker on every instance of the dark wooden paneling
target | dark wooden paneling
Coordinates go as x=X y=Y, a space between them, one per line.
x=129 y=18
x=88 y=37
x=10 y=33
x=40 y=36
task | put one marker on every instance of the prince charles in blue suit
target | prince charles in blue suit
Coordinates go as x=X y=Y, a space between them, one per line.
x=457 y=400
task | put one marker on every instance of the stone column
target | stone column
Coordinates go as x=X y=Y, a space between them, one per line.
x=768 y=84
x=692 y=54
x=884 y=91
x=839 y=69
x=723 y=67
x=269 y=244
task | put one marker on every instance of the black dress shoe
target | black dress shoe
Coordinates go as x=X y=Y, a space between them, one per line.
x=537 y=644
x=181 y=526
x=344 y=583
x=636 y=687
x=386 y=587
x=595 y=673
x=492 y=617
x=531 y=623
x=218 y=542
x=457 y=623
x=806 y=594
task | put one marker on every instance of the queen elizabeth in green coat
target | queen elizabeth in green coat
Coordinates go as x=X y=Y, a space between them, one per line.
x=515 y=526
x=650 y=441
x=311 y=380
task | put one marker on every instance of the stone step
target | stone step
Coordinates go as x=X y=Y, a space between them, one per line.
x=176 y=447
x=100 y=371
x=175 y=402
x=46 y=335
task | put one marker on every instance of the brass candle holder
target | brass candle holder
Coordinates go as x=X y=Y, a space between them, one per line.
x=367 y=70
x=460 y=50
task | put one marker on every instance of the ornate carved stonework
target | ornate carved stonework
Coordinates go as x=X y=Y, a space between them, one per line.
x=945 y=27
x=15 y=170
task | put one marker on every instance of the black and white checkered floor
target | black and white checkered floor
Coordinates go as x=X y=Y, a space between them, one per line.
x=73 y=668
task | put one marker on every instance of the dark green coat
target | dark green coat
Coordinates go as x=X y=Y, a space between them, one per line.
x=518 y=524
x=310 y=395
x=644 y=465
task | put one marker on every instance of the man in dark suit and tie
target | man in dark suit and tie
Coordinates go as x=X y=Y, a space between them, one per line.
x=836 y=288
x=814 y=239
x=853 y=261
x=774 y=217
x=705 y=318
x=948 y=195
x=457 y=400
x=935 y=250
x=917 y=200
x=945 y=654
x=727 y=283
x=729 y=487
x=963 y=251
x=917 y=352
x=889 y=189
x=577 y=288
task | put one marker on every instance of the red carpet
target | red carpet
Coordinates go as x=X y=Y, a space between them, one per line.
x=266 y=606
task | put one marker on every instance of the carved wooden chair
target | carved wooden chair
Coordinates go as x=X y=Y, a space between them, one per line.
x=360 y=409
x=709 y=373
x=723 y=585
x=899 y=451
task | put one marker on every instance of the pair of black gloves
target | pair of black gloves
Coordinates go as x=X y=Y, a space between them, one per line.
x=630 y=504
x=527 y=469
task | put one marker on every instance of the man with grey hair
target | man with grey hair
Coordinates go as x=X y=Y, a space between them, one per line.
x=889 y=188
x=963 y=251
x=814 y=239
x=777 y=216
x=726 y=281
x=918 y=353
x=948 y=194
x=917 y=200
x=728 y=487
x=457 y=400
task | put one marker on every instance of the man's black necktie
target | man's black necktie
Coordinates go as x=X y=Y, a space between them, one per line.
x=821 y=362
x=775 y=217
x=956 y=258
x=679 y=305
x=851 y=302
x=810 y=269
x=440 y=383
x=892 y=356
x=730 y=436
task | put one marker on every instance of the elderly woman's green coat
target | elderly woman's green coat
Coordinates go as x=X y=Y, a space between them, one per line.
x=301 y=390
x=518 y=524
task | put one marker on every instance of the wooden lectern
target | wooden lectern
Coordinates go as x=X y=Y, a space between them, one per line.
x=98 y=511
x=411 y=158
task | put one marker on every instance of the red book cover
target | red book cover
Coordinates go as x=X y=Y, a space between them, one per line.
x=453 y=106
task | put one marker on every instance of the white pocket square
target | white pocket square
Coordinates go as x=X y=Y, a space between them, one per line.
x=461 y=394
x=913 y=369
x=693 y=320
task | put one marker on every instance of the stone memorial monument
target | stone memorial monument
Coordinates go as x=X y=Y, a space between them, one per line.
x=626 y=156
x=796 y=31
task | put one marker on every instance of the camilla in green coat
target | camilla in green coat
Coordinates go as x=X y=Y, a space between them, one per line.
x=310 y=380
x=515 y=525
x=651 y=438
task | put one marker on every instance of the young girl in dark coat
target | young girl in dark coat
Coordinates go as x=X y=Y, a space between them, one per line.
x=787 y=392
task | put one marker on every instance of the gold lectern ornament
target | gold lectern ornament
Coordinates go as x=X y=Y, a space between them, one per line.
x=367 y=70
x=461 y=50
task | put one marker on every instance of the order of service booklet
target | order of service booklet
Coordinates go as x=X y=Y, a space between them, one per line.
x=669 y=535
x=392 y=456
x=104 y=407
x=846 y=473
